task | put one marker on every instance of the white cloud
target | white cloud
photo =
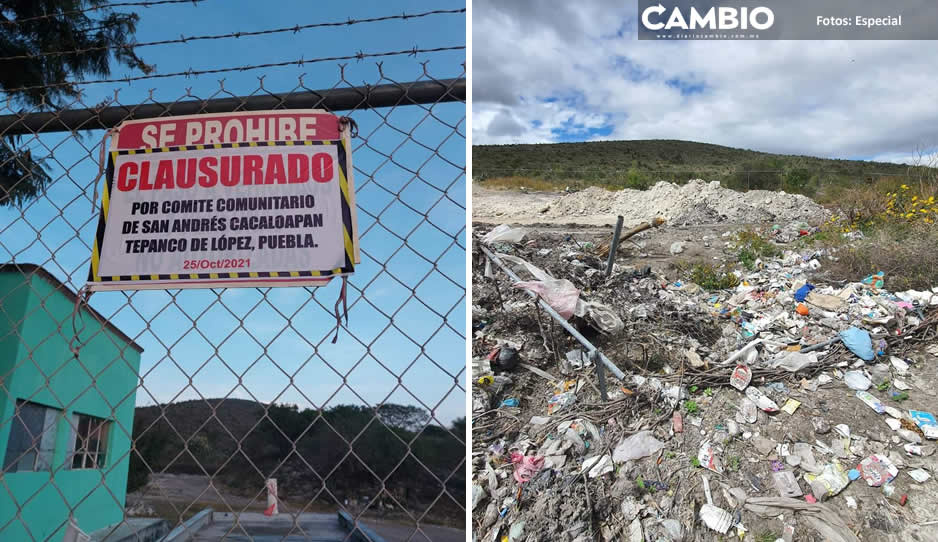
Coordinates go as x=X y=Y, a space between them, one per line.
x=841 y=99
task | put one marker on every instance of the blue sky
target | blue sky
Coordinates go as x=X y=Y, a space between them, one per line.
x=577 y=72
x=410 y=328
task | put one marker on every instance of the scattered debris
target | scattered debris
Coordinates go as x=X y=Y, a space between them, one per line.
x=637 y=446
x=877 y=469
x=703 y=372
x=503 y=234
x=919 y=475
x=741 y=377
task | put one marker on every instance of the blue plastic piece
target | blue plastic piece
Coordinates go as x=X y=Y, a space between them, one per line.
x=803 y=292
x=859 y=342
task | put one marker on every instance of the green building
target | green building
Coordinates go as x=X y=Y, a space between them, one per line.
x=65 y=423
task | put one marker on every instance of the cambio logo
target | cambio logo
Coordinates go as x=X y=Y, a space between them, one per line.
x=722 y=18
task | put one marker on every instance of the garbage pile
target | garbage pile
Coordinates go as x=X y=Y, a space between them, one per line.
x=789 y=407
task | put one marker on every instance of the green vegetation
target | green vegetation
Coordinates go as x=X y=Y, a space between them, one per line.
x=690 y=407
x=767 y=536
x=750 y=246
x=695 y=462
x=884 y=386
x=242 y=443
x=98 y=39
x=899 y=227
x=641 y=163
x=733 y=463
x=711 y=277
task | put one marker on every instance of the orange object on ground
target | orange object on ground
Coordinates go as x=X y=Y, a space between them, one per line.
x=802 y=309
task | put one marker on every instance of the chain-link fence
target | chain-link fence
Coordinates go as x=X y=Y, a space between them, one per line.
x=195 y=409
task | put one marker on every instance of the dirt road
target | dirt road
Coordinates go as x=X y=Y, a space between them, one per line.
x=173 y=495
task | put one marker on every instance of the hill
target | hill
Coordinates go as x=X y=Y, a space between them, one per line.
x=641 y=163
x=243 y=443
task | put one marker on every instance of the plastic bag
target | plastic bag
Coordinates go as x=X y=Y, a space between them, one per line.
x=560 y=401
x=831 y=481
x=601 y=316
x=598 y=465
x=828 y=523
x=876 y=281
x=794 y=361
x=637 y=446
x=747 y=412
x=803 y=292
x=560 y=294
x=859 y=342
x=856 y=380
x=761 y=400
x=526 y=466
x=504 y=234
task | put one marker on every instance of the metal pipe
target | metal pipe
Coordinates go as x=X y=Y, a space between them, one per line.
x=819 y=346
x=560 y=320
x=614 y=245
x=336 y=99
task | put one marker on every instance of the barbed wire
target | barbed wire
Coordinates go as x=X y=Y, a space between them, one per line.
x=190 y=72
x=147 y=4
x=186 y=39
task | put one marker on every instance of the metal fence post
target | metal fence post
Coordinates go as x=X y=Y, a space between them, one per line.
x=614 y=245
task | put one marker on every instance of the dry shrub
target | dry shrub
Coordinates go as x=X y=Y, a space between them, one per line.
x=858 y=203
x=906 y=254
x=529 y=183
x=887 y=200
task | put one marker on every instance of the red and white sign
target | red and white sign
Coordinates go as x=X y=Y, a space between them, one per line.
x=242 y=199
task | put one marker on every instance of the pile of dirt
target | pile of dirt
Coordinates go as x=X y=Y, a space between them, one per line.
x=828 y=437
x=695 y=202
x=672 y=201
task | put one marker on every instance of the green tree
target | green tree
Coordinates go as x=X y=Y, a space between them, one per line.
x=407 y=417
x=146 y=455
x=90 y=33
x=634 y=178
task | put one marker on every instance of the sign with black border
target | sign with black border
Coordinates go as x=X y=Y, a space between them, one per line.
x=223 y=211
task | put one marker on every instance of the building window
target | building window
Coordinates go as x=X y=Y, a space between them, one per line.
x=89 y=445
x=32 y=438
